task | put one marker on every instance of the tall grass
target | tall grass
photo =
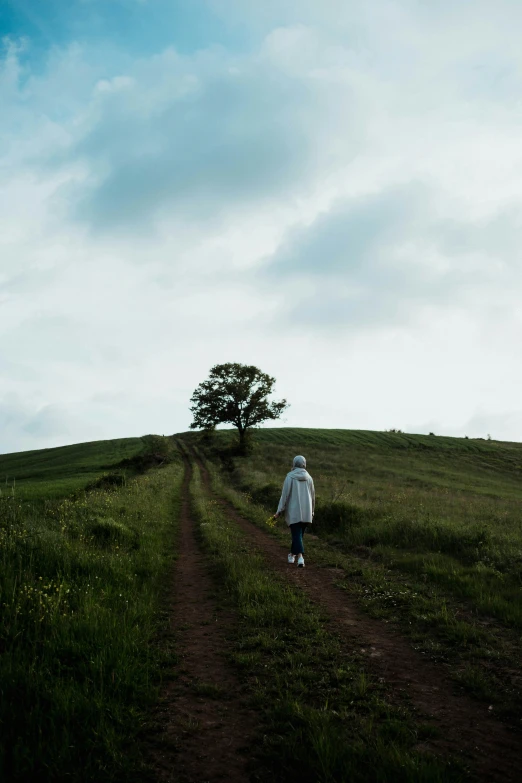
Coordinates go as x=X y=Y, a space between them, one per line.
x=79 y=587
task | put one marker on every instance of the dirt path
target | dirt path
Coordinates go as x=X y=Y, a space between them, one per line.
x=466 y=728
x=202 y=723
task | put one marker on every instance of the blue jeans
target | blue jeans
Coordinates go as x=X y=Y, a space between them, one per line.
x=298 y=530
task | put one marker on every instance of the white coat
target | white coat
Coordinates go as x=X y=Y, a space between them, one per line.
x=297 y=497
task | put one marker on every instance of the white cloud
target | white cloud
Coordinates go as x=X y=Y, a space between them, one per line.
x=368 y=157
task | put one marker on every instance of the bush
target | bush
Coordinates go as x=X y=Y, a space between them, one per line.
x=157 y=444
x=106 y=531
x=108 y=481
x=338 y=516
x=157 y=450
x=267 y=496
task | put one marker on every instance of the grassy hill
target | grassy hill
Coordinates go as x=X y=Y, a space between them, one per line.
x=57 y=472
x=426 y=530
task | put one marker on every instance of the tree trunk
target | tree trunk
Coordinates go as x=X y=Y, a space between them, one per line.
x=242 y=441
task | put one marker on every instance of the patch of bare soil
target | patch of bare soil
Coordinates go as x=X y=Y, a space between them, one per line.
x=466 y=729
x=202 y=725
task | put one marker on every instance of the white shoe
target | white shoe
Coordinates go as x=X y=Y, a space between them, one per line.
x=300 y=561
x=291 y=558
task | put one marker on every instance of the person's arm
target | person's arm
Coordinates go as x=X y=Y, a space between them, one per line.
x=312 y=492
x=284 y=496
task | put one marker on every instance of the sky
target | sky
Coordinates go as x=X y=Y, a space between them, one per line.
x=331 y=191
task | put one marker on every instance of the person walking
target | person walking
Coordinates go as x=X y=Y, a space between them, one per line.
x=298 y=504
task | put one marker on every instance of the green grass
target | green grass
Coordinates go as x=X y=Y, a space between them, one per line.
x=325 y=718
x=55 y=473
x=80 y=587
x=428 y=530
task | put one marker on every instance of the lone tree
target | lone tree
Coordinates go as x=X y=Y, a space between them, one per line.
x=235 y=394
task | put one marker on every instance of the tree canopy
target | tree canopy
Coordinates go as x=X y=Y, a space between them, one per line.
x=235 y=394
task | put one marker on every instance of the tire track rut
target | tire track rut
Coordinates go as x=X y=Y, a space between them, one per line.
x=203 y=725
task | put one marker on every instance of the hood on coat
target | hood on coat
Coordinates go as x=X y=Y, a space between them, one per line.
x=300 y=474
x=298 y=469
